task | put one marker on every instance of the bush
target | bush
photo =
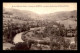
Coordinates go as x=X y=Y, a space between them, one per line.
x=56 y=46
x=66 y=44
x=73 y=46
x=21 y=46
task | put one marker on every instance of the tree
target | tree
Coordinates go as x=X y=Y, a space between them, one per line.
x=66 y=44
x=22 y=46
x=73 y=46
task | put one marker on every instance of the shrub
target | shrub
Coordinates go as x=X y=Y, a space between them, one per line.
x=73 y=46
x=66 y=44
x=21 y=46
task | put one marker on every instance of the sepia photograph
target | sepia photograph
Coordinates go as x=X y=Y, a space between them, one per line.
x=39 y=26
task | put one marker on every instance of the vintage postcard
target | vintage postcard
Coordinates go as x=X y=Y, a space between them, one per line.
x=39 y=26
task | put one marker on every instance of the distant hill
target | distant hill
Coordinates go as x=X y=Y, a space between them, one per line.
x=31 y=15
x=22 y=14
x=61 y=15
x=65 y=17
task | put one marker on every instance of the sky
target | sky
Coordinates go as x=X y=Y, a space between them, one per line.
x=42 y=8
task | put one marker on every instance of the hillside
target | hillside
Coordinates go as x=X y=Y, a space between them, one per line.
x=20 y=16
x=67 y=18
x=61 y=15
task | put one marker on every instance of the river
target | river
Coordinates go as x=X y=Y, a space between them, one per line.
x=17 y=38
